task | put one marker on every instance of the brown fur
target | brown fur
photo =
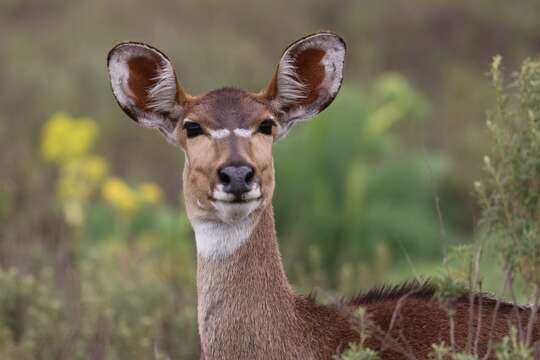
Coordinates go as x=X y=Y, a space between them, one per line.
x=247 y=310
x=311 y=72
x=143 y=76
x=407 y=319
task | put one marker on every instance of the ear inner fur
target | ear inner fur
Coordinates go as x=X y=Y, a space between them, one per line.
x=311 y=73
x=143 y=72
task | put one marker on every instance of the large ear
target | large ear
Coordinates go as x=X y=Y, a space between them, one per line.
x=307 y=78
x=145 y=86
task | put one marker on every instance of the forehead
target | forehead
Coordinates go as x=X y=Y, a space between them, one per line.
x=228 y=108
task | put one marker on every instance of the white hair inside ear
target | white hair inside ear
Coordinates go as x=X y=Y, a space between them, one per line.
x=291 y=88
x=163 y=95
x=156 y=106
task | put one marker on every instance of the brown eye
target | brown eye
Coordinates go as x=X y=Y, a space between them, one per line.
x=266 y=126
x=192 y=129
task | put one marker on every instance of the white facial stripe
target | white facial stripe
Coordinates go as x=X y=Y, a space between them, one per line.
x=243 y=132
x=217 y=239
x=219 y=133
x=223 y=133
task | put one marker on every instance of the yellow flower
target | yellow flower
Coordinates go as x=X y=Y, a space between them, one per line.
x=95 y=167
x=119 y=194
x=68 y=186
x=64 y=137
x=73 y=212
x=54 y=130
x=150 y=193
x=84 y=132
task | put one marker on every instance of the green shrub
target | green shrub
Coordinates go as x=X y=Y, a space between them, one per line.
x=33 y=323
x=127 y=307
x=509 y=197
x=345 y=185
x=510 y=191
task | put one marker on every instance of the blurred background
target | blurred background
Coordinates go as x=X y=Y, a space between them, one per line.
x=97 y=258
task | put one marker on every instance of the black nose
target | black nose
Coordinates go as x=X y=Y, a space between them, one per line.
x=236 y=179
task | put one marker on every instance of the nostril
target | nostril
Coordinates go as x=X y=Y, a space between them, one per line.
x=224 y=178
x=249 y=175
x=236 y=179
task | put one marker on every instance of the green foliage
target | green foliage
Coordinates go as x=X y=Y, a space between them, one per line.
x=357 y=352
x=390 y=206
x=444 y=352
x=27 y=309
x=448 y=288
x=127 y=288
x=125 y=308
x=439 y=352
x=353 y=198
x=132 y=256
x=345 y=185
x=511 y=348
x=509 y=196
x=510 y=191
x=460 y=272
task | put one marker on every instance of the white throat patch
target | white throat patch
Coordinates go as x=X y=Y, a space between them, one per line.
x=217 y=239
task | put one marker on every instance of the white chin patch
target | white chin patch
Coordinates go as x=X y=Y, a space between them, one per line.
x=220 y=194
x=231 y=213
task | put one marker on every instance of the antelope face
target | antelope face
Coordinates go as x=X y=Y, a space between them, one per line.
x=227 y=134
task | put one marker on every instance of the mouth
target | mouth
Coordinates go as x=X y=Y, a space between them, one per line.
x=220 y=196
x=235 y=200
x=232 y=208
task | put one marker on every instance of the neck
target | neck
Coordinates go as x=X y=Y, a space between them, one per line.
x=244 y=292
